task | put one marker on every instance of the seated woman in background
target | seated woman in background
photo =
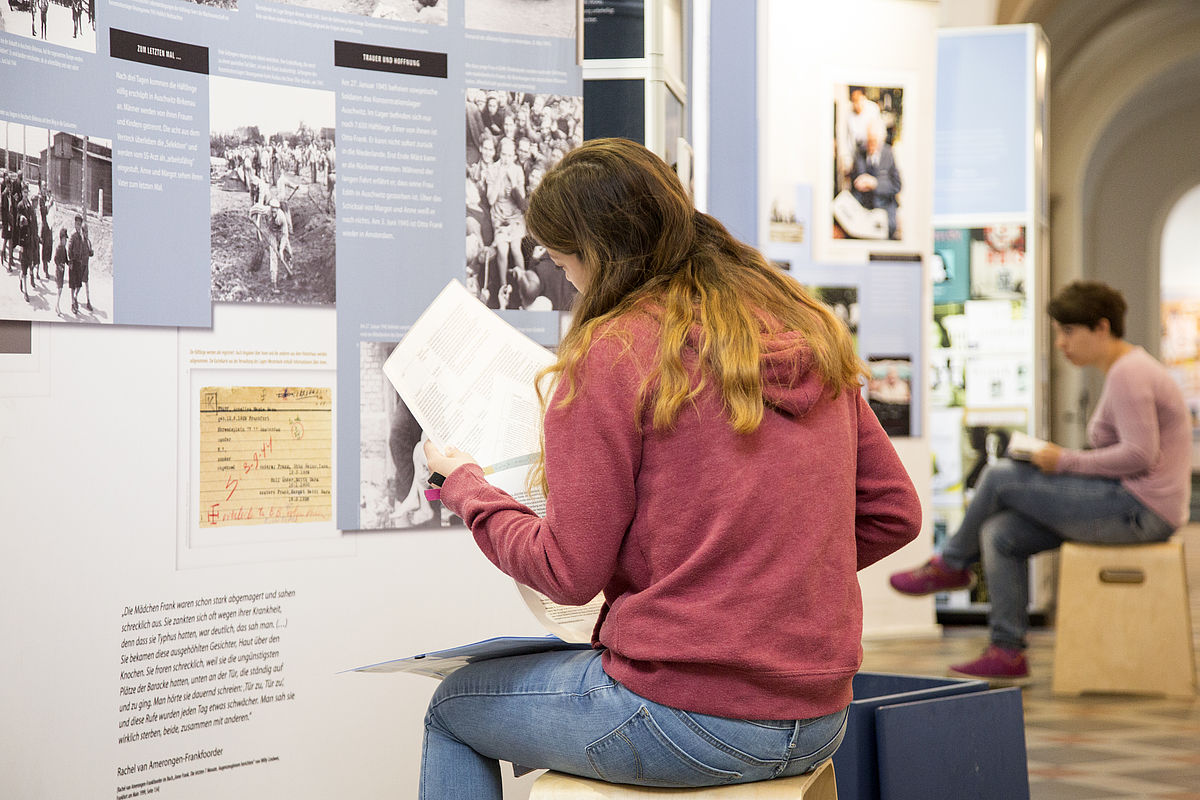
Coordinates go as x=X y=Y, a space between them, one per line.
x=1132 y=486
x=711 y=466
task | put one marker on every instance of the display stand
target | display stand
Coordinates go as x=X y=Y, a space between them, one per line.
x=988 y=363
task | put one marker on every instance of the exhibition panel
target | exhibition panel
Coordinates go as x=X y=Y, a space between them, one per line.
x=988 y=372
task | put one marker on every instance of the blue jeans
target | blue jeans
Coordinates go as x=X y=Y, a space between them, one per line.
x=1018 y=510
x=559 y=710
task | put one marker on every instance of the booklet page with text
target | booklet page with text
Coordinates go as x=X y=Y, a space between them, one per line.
x=468 y=378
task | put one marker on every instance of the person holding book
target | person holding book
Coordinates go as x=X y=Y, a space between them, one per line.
x=1133 y=485
x=710 y=465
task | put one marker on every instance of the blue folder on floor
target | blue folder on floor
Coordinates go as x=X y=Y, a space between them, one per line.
x=948 y=741
x=970 y=745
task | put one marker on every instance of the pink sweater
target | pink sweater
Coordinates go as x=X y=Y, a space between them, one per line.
x=1141 y=433
x=727 y=560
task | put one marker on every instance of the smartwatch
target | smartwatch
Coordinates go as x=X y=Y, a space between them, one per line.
x=436 y=479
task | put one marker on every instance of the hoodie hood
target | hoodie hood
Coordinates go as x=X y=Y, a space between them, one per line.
x=790 y=384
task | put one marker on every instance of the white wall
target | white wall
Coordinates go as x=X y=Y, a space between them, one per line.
x=89 y=487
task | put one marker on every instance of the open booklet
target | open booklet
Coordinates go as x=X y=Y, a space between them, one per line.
x=467 y=376
x=441 y=663
x=570 y=626
x=1022 y=446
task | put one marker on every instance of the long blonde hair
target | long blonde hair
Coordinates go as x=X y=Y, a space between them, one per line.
x=644 y=247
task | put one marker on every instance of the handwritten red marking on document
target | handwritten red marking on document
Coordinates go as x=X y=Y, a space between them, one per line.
x=265 y=455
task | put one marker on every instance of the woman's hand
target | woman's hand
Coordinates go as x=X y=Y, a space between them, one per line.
x=1046 y=458
x=445 y=461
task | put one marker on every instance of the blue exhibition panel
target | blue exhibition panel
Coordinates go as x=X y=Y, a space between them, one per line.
x=969 y=745
x=856 y=762
x=984 y=123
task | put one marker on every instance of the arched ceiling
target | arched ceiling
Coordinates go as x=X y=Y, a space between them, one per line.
x=1069 y=24
x=1116 y=66
x=1138 y=64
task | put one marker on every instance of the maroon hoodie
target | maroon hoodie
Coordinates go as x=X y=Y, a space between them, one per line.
x=727 y=560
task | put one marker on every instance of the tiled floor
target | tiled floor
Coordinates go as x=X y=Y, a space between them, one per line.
x=1095 y=747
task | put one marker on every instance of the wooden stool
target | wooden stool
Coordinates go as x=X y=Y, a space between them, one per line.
x=1123 y=622
x=816 y=785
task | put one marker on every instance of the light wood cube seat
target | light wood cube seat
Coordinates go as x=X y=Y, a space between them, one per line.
x=1123 y=623
x=816 y=785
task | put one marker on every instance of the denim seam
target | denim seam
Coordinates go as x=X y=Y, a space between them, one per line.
x=425 y=758
x=658 y=733
x=791 y=746
x=832 y=739
x=761 y=723
x=838 y=733
x=517 y=694
x=725 y=748
x=637 y=757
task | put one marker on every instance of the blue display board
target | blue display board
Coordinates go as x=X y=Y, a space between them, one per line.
x=983 y=143
x=292 y=153
x=408 y=199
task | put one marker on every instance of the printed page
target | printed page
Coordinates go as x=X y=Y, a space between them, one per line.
x=1022 y=446
x=467 y=377
x=569 y=623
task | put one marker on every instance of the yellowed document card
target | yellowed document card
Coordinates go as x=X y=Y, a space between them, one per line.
x=266 y=455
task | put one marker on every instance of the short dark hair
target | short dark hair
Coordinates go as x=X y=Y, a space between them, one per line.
x=1088 y=302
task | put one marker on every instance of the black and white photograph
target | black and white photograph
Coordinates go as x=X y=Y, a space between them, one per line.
x=425 y=12
x=272 y=173
x=512 y=139
x=56 y=203
x=528 y=17
x=392 y=470
x=889 y=392
x=842 y=301
x=69 y=23
x=868 y=162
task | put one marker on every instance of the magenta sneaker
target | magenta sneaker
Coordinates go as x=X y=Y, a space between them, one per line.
x=932 y=576
x=997 y=665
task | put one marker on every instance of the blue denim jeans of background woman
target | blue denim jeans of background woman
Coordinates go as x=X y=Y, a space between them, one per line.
x=1018 y=510
x=559 y=710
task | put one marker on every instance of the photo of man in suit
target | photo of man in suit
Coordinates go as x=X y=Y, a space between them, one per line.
x=875 y=180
